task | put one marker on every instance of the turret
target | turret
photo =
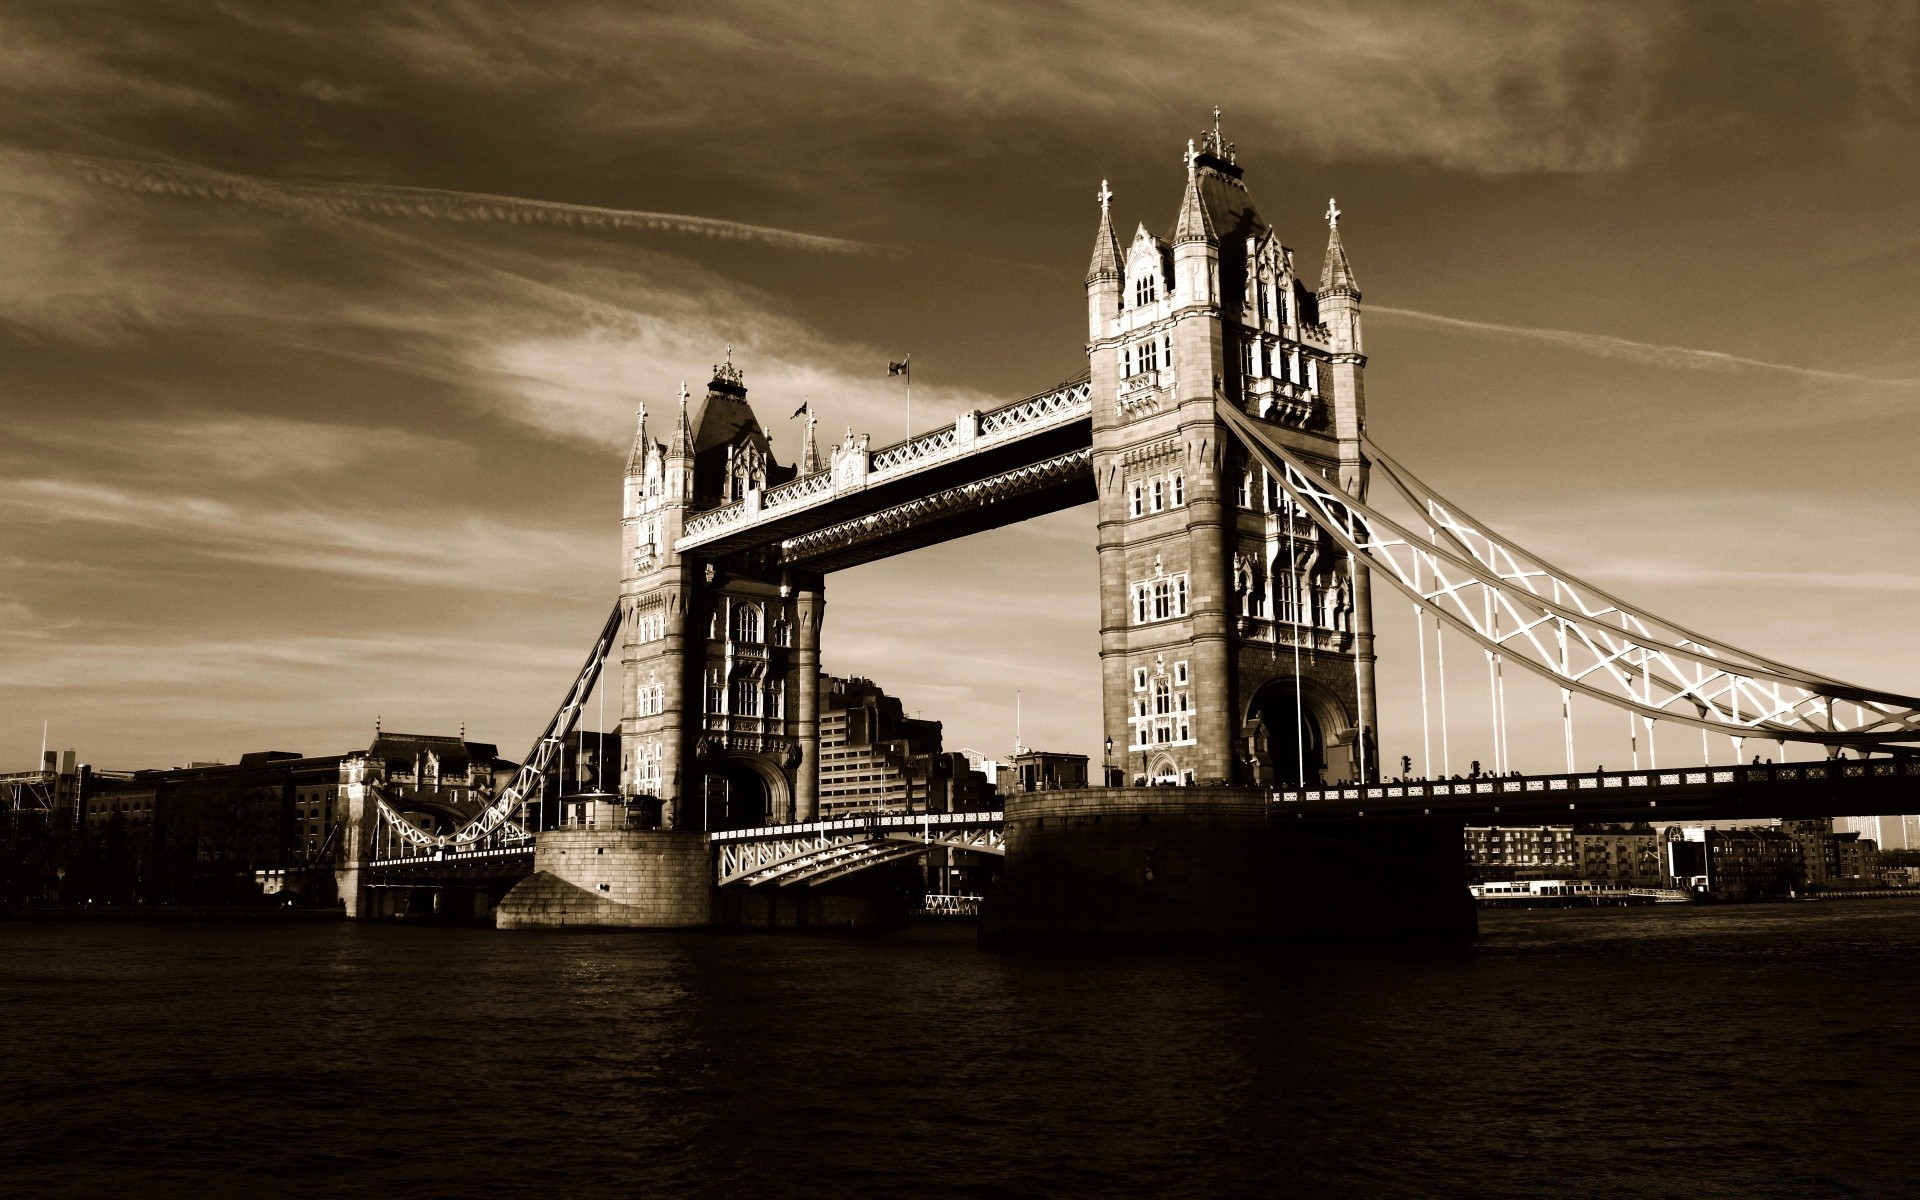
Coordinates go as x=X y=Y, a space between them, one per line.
x=1104 y=275
x=1196 y=244
x=679 y=458
x=1339 y=298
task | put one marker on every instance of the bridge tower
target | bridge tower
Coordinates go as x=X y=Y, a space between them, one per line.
x=1236 y=640
x=721 y=657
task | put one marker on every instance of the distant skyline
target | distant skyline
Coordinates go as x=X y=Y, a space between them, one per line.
x=321 y=337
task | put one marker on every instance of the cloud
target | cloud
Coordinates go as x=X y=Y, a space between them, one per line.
x=444 y=551
x=1625 y=350
x=243 y=447
x=438 y=204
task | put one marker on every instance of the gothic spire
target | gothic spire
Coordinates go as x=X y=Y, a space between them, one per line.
x=1106 y=247
x=637 y=458
x=682 y=432
x=1195 y=224
x=1336 y=274
x=809 y=449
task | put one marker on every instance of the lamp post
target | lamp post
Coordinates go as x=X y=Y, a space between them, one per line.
x=1107 y=764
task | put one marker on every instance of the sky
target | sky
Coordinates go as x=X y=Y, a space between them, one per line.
x=322 y=326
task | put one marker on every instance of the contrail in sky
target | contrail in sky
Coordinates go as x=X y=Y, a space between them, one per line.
x=1626 y=350
x=433 y=203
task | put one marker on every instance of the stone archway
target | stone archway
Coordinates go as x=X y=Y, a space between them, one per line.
x=1289 y=730
x=745 y=791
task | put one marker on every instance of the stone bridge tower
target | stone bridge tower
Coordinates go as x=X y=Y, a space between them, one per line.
x=720 y=658
x=1236 y=641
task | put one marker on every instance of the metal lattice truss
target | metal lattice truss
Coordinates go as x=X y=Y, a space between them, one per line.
x=818 y=852
x=494 y=825
x=856 y=469
x=926 y=512
x=1516 y=605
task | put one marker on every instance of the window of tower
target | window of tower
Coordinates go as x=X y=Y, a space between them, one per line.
x=1313 y=376
x=1157 y=495
x=1249 y=359
x=746 y=697
x=1136 y=500
x=1145 y=289
x=1293 y=365
x=746 y=622
x=716 y=692
x=1260 y=289
x=1177 y=488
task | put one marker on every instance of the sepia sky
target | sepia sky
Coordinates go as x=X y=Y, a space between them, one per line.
x=322 y=325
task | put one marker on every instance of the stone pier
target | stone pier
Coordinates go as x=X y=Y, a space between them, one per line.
x=613 y=878
x=1122 y=865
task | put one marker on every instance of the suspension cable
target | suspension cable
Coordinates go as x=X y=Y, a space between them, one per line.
x=1296 y=582
x=1426 y=724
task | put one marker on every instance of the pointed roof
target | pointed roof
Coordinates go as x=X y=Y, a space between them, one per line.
x=637 y=457
x=682 y=432
x=1336 y=273
x=1195 y=223
x=1106 y=247
x=810 y=449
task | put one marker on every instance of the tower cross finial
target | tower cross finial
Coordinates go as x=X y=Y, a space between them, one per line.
x=1192 y=154
x=1333 y=213
x=1106 y=196
x=1219 y=147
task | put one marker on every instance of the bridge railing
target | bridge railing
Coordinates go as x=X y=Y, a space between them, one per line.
x=880 y=823
x=1601 y=781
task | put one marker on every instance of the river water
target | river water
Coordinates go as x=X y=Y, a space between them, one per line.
x=1734 y=1051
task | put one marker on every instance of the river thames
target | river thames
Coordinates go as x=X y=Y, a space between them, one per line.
x=1738 y=1051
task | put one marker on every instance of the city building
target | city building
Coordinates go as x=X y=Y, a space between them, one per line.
x=1500 y=852
x=873 y=757
x=1856 y=862
x=1733 y=864
x=1621 y=855
x=1815 y=851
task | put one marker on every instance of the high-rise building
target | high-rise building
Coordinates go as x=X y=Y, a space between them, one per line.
x=873 y=757
x=1888 y=833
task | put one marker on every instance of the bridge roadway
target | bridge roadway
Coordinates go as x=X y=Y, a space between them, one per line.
x=820 y=851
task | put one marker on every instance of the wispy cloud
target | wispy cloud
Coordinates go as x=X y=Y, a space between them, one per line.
x=469 y=553
x=437 y=204
x=1626 y=350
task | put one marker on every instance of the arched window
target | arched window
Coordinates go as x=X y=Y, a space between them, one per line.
x=1145 y=290
x=746 y=622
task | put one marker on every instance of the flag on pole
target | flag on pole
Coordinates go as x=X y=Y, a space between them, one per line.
x=900 y=368
x=802 y=410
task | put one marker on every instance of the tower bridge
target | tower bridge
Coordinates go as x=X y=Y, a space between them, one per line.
x=1220 y=428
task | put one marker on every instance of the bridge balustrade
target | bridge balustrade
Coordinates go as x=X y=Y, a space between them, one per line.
x=1650 y=779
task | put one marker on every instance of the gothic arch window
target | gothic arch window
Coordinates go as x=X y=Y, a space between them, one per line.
x=746 y=622
x=1146 y=289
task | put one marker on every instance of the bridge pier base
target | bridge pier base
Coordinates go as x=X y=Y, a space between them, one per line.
x=613 y=878
x=1214 y=864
